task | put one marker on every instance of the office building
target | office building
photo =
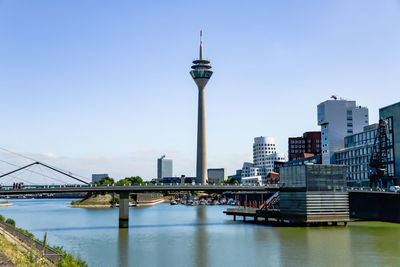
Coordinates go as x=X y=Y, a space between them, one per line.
x=317 y=159
x=391 y=114
x=264 y=156
x=309 y=143
x=356 y=155
x=253 y=180
x=216 y=175
x=164 y=168
x=201 y=73
x=339 y=118
x=98 y=177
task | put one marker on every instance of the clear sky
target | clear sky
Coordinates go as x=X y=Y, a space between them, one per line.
x=104 y=86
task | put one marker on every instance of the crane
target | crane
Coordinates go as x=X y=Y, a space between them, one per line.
x=378 y=164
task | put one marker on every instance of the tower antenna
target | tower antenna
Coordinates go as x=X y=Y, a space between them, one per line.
x=201 y=45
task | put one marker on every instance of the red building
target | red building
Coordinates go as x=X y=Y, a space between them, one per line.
x=306 y=146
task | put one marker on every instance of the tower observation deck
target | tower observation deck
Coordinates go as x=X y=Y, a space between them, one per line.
x=201 y=73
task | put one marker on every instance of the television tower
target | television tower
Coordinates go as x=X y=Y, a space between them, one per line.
x=201 y=73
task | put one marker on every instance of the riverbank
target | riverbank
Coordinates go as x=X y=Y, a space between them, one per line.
x=21 y=248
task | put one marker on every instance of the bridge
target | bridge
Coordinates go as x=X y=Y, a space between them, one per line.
x=125 y=190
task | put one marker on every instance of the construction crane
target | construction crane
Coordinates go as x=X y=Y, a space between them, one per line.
x=378 y=164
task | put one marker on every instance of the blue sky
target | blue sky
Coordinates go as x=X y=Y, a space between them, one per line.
x=104 y=86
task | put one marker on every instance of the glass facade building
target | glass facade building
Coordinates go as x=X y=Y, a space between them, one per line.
x=164 y=167
x=356 y=155
x=392 y=116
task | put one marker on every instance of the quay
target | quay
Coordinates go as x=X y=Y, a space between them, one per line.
x=312 y=195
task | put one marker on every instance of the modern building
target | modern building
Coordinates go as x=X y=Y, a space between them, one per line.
x=356 y=155
x=391 y=114
x=253 y=180
x=201 y=73
x=216 y=175
x=339 y=118
x=98 y=177
x=278 y=164
x=310 y=143
x=262 y=147
x=317 y=193
x=237 y=176
x=249 y=170
x=317 y=159
x=264 y=156
x=164 y=167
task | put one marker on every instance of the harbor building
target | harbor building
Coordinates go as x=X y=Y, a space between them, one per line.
x=164 y=167
x=201 y=73
x=338 y=118
x=356 y=155
x=315 y=194
x=307 y=145
x=98 y=177
x=216 y=175
x=391 y=114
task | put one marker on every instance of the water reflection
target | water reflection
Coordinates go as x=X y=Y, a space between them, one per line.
x=123 y=247
x=201 y=237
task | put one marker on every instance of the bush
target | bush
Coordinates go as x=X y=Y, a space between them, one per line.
x=26 y=232
x=116 y=200
x=2 y=218
x=68 y=260
x=10 y=222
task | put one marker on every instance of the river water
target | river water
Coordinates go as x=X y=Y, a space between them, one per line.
x=165 y=235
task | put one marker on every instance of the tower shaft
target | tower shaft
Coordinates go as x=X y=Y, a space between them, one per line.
x=201 y=166
x=201 y=73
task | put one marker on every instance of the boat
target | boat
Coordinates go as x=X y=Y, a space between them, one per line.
x=132 y=204
x=203 y=202
x=173 y=202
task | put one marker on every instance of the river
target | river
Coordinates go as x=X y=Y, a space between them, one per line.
x=165 y=235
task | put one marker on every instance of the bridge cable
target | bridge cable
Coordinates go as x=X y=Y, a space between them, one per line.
x=50 y=167
x=34 y=172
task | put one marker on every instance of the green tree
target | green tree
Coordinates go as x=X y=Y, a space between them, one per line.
x=131 y=180
x=230 y=180
x=105 y=180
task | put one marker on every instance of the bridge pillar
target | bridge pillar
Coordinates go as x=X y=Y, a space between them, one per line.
x=124 y=210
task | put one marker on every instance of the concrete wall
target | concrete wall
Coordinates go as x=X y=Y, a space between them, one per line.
x=375 y=206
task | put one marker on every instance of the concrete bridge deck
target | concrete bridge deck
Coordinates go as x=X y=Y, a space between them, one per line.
x=131 y=188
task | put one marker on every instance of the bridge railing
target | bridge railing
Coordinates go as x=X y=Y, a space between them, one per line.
x=161 y=185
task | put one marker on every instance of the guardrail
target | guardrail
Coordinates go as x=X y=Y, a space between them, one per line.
x=139 y=185
x=50 y=253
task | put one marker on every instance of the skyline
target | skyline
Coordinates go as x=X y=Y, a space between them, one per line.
x=96 y=88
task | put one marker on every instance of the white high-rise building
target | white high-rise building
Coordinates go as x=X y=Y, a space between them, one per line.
x=339 y=118
x=262 y=147
x=264 y=156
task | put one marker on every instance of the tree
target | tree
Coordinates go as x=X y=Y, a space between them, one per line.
x=230 y=180
x=105 y=180
x=131 y=180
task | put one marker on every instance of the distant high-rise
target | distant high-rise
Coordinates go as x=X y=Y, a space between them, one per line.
x=339 y=118
x=201 y=73
x=164 y=167
x=98 y=177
